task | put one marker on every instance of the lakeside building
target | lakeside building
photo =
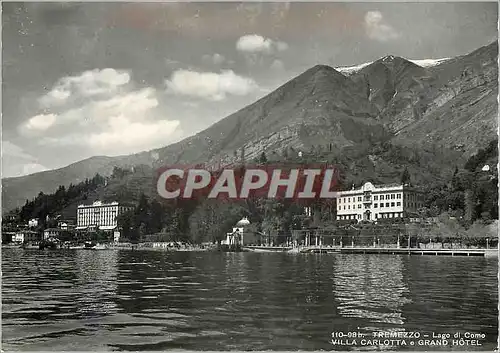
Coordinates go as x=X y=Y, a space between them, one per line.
x=239 y=236
x=51 y=233
x=102 y=216
x=26 y=236
x=66 y=224
x=372 y=202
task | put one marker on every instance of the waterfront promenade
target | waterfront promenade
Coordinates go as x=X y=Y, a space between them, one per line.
x=492 y=252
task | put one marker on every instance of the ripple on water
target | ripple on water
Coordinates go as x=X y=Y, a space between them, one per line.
x=154 y=301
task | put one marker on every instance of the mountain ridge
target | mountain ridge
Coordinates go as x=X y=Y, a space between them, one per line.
x=322 y=108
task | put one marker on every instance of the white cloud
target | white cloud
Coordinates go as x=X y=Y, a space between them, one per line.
x=134 y=134
x=133 y=102
x=209 y=85
x=37 y=124
x=122 y=135
x=215 y=59
x=254 y=43
x=88 y=83
x=104 y=113
x=378 y=29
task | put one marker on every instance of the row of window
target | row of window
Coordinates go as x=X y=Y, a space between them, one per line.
x=110 y=220
x=375 y=205
x=82 y=212
x=103 y=210
x=387 y=204
x=411 y=197
x=375 y=197
x=376 y=216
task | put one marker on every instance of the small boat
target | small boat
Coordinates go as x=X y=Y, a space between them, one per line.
x=94 y=246
x=99 y=247
x=77 y=247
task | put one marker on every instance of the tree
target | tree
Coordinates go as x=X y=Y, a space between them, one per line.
x=142 y=215
x=242 y=155
x=263 y=158
x=405 y=177
x=157 y=217
x=285 y=153
x=455 y=181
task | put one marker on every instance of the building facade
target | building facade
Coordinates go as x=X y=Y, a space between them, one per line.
x=26 y=237
x=371 y=202
x=99 y=215
x=51 y=233
x=239 y=236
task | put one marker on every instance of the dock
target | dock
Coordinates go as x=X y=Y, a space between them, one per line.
x=376 y=250
x=256 y=248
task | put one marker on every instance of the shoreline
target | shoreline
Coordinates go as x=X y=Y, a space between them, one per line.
x=467 y=252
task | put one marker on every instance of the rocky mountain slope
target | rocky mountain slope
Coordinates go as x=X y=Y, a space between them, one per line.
x=373 y=120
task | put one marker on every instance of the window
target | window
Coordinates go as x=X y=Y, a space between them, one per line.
x=381 y=197
x=375 y=198
x=398 y=196
x=393 y=196
x=340 y=207
x=359 y=206
x=392 y=204
x=375 y=205
x=340 y=200
x=359 y=198
x=387 y=204
x=399 y=203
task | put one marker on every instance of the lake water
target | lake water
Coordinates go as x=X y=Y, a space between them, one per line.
x=145 y=300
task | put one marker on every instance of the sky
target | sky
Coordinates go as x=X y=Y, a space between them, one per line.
x=88 y=79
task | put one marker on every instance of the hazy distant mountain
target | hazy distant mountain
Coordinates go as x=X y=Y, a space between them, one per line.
x=440 y=112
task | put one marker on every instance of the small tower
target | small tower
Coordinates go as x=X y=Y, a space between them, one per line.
x=239 y=231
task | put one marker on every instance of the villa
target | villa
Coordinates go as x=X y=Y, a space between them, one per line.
x=371 y=202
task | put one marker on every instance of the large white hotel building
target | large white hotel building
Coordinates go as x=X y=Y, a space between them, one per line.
x=370 y=202
x=99 y=215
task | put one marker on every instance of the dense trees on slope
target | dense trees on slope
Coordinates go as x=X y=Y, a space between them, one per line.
x=471 y=194
x=48 y=204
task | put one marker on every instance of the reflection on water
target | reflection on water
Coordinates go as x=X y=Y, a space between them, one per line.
x=371 y=288
x=96 y=272
x=139 y=300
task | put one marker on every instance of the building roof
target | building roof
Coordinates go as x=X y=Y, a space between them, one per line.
x=99 y=204
x=243 y=222
x=368 y=186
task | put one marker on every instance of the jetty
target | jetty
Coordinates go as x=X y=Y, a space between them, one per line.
x=492 y=252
